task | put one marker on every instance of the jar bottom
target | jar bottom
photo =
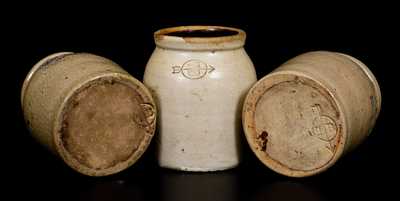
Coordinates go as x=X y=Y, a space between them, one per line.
x=293 y=124
x=106 y=125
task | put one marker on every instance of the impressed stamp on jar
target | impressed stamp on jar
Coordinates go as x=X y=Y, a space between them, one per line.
x=199 y=75
x=302 y=117
x=193 y=69
x=323 y=127
x=103 y=118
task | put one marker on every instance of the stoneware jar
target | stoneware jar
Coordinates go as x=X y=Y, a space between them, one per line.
x=303 y=116
x=88 y=111
x=199 y=76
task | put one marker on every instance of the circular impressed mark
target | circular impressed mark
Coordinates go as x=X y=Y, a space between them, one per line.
x=293 y=125
x=193 y=69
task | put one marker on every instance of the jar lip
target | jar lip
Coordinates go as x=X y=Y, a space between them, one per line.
x=200 y=37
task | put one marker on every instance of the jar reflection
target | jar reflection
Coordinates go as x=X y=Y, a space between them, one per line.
x=113 y=190
x=194 y=186
x=287 y=190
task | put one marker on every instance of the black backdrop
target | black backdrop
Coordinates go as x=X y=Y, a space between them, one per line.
x=125 y=36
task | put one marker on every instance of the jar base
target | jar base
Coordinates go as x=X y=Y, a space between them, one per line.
x=293 y=124
x=105 y=126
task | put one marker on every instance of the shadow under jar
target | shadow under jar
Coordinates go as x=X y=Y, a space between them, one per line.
x=198 y=76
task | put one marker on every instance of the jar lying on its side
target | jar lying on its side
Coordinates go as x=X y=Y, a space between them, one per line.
x=88 y=111
x=303 y=116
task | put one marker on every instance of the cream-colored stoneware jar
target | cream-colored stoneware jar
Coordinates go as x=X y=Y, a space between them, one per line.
x=89 y=111
x=303 y=116
x=199 y=76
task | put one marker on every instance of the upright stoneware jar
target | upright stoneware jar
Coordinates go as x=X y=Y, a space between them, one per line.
x=198 y=76
x=303 y=116
x=88 y=111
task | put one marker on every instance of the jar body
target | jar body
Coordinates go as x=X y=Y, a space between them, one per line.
x=88 y=111
x=199 y=95
x=303 y=116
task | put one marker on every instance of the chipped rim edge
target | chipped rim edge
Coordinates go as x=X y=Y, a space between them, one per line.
x=199 y=43
x=272 y=163
x=70 y=160
x=34 y=69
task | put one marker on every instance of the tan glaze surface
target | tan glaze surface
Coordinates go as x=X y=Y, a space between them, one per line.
x=101 y=119
x=295 y=121
x=104 y=125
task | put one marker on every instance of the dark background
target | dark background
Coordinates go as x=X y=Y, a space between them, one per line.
x=125 y=36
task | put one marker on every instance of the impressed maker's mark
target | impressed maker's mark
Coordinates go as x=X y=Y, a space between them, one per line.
x=193 y=69
x=324 y=127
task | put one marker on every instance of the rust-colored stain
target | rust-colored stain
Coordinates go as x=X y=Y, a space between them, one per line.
x=263 y=140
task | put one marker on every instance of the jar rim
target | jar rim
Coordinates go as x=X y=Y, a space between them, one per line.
x=200 y=37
